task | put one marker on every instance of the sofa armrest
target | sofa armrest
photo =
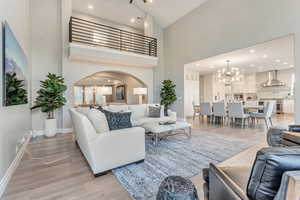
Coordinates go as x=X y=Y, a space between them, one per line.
x=117 y=148
x=289 y=187
x=172 y=115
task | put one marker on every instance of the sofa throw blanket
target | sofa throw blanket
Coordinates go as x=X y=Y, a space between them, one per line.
x=118 y=120
x=154 y=111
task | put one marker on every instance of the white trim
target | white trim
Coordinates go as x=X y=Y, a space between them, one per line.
x=13 y=166
x=37 y=133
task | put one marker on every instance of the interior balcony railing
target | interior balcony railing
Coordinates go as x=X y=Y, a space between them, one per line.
x=95 y=34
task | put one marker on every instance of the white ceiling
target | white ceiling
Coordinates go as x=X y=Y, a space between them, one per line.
x=119 y=11
x=275 y=54
x=165 y=12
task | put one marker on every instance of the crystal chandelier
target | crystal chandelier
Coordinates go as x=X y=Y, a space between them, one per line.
x=228 y=75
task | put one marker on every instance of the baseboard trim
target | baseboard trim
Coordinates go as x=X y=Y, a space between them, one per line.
x=37 y=133
x=13 y=166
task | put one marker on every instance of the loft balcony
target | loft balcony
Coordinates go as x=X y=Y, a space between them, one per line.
x=96 y=42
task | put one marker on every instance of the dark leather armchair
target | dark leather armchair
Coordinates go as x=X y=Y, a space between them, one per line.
x=230 y=182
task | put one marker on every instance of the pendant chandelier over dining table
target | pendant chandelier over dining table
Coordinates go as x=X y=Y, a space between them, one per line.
x=228 y=74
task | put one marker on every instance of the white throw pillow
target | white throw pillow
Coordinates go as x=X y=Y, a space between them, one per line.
x=138 y=111
x=99 y=121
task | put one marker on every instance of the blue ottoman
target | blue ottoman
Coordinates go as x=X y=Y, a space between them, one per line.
x=177 y=188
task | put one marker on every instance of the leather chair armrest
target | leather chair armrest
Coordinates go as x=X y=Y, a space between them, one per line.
x=291 y=138
x=221 y=186
x=289 y=187
x=294 y=128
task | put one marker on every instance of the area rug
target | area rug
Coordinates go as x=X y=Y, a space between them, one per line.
x=179 y=156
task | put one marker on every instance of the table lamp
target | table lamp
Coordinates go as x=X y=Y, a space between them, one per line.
x=140 y=92
x=104 y=91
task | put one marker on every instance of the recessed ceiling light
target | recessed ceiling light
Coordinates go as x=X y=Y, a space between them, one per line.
x=285 y=63
x=252 y=51
x=212 y=67
x=132 y=20
x=277 y=60
x=252 y=65
x=291 y=65
x=197 y=64
x=90 y=6
x=265 y=56
x=150 y=1
x=146 y=24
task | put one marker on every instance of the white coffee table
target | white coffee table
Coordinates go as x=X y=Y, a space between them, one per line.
x=171 y=129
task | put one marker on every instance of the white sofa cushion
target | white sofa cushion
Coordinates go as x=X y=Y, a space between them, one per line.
x=143 y=120
x=98 y=120
x=116 y=108
x=138 y=111
x=83 y=110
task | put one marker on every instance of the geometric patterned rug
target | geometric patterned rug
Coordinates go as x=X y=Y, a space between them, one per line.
x=176 y=155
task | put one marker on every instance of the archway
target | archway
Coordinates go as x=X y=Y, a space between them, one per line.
x=107 y=87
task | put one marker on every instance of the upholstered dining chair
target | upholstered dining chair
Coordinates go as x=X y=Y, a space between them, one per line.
x=219 y=110
x=206 y=110
x=267 y=113
x=236 y=111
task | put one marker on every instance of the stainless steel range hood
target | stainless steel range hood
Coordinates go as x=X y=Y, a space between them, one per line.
x=273 y=80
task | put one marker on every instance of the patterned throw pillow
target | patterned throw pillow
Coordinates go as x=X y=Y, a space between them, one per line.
x=118 y=120
x=154 y=111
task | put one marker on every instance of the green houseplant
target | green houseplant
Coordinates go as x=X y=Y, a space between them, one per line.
x=15 y=93
x=50 y=97
x=167 y=94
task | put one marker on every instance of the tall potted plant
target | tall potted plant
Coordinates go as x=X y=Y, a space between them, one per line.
x=167 y=94
x=50 y=97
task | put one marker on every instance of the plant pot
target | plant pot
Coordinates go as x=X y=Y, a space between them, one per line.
x=50 y=127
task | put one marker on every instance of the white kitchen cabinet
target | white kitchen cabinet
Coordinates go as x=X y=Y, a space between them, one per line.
x=288 y=106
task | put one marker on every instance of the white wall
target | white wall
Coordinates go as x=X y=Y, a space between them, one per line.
x=15 y=121
x=46 y=49
x=218 y=27
x=191 y=92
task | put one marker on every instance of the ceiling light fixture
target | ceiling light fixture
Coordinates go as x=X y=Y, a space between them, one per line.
x=146 y=24
x=291 y=65
x=228 y=74
x=277 y=60
x=90 y=6
x=265 y=56
x=285 y=63
x=132 y=20
x=212 y=67
x=252 y=51
x=145 y=1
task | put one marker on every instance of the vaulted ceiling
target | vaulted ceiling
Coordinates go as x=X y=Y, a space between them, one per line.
x=165 y=12
x=275 y=54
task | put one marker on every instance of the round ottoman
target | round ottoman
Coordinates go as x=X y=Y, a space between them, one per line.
x=177 y=188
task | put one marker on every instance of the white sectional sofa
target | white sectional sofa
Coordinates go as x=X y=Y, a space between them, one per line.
x=140 y=113
x=104 y=149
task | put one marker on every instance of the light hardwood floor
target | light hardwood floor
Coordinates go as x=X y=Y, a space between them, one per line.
x=71 y=178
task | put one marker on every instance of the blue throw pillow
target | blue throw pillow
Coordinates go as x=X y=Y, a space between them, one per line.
x=118 y=120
